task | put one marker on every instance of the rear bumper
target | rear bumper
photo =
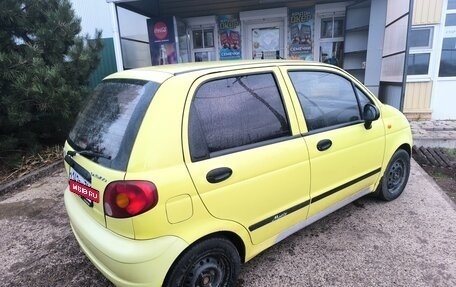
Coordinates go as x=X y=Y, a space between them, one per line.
x=124 y=261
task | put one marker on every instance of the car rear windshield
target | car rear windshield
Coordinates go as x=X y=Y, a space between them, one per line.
x=106 y=128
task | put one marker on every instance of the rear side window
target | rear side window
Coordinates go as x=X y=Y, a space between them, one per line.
x=110 y=121
x=326 y=99
x=234 y=112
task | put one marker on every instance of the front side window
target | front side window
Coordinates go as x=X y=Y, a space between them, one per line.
x=234 y=112
x=419 y=58
x=326 y=99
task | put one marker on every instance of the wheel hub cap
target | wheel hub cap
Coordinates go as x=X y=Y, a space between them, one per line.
x=207 y=273
x=395 y=176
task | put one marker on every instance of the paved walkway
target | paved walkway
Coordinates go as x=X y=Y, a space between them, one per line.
x=406 y=242
x=434 y=133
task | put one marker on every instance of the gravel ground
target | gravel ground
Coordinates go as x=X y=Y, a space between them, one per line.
x=407 y=242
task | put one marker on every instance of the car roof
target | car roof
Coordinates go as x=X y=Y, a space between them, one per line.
x=163 y=72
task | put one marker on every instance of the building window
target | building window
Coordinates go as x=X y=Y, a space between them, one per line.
x=332 y=38
x=418 y=64
x=332 y=27
x=421 y=37
x=420 y=43
x=203 y=44
x=134 y=39
x=451 y=4
x=203 y=38
x=448 y=57
x=450 y=20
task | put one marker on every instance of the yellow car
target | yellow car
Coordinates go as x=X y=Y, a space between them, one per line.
x=180 y=173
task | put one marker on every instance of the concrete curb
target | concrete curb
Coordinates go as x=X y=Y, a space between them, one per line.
x=29 y=178
x=438 y=133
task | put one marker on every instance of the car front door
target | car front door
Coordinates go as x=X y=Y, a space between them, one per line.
x=244 y=152
x=345 y=156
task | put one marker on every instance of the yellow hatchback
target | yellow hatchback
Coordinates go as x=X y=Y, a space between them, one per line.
x=180 y=173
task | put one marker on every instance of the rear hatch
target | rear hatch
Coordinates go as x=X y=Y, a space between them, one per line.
x=99 y=146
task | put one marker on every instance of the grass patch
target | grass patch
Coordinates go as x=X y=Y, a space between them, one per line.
x=451 y=152
x=19 y=166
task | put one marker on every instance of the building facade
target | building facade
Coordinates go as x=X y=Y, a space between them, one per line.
x=96 y=15
x=431 y=79
x=368 y=38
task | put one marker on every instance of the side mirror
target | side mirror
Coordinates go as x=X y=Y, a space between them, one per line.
x=370 y=113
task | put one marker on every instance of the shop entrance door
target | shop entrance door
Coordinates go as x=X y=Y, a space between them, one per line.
x=265 y=41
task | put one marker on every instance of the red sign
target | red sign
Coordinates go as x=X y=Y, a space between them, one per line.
x=84 y=191
x=160 y=30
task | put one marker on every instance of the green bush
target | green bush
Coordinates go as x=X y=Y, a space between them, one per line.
x=44 y=71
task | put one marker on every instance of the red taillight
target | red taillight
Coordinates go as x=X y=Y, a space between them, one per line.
x=129 y=198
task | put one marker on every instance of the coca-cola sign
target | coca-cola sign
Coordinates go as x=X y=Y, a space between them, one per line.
x=160 y=31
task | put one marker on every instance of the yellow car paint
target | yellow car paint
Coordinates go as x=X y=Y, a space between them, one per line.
x=268 y=197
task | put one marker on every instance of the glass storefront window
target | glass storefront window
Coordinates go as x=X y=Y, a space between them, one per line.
x=448 y=58
x=197 y=39
x=203 y=44
x=208 y=38
x=266 y=42
x=132 y=25
x=326 y=28
x=338 y=27
x=204 y=56
x=332 y=53
x=203 y=38
x=332 y=40
x=134 y=39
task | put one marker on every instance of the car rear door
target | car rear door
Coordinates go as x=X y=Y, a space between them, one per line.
x=244 y=152
x=345 y=156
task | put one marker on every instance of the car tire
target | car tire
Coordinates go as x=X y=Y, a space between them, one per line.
x=211 y=262
x=395 y=177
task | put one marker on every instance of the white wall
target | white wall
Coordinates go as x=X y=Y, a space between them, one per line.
x=94 y=14
x=443 y=102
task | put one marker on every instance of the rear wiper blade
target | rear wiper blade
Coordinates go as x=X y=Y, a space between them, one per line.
x=88 y=153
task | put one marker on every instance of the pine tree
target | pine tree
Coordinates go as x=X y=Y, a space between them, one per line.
x=44 y=70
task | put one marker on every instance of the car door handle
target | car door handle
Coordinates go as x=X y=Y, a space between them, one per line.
x=219 y=174
x=324 y=144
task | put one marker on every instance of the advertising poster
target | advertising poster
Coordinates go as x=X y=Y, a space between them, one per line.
x=230 y=37
x=162 y=41
x=301 y=27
